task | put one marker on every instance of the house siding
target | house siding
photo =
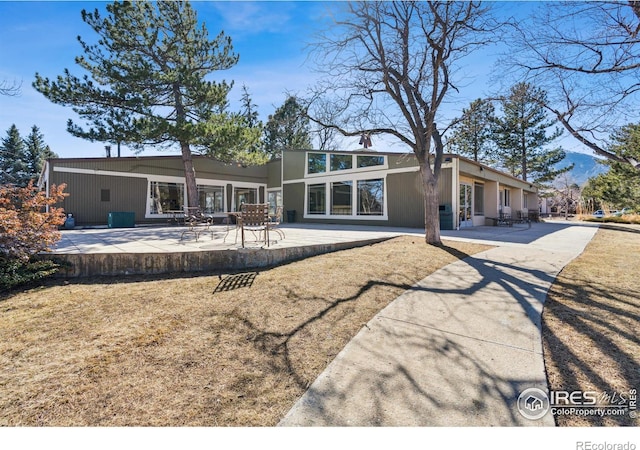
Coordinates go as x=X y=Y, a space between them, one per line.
x=293 y=196
x=98 y=186
x=86 y=203
x=126 y=180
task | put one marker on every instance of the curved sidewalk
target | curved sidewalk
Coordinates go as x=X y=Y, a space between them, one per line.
x=456 y=350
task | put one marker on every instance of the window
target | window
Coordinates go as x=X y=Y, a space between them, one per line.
x=317 y=163
x=274 y=198
x=370 y=197
x=166 y=197
x=478 y=199
x=105 y=195
x=341 y=198
x=507 y=198
x=341 y=162
x=369 y=161
x=245 y=195
x=317 y=196
x=211 y=199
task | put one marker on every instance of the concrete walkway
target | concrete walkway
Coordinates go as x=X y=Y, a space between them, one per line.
x=457 y=349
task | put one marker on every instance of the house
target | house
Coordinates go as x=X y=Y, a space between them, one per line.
x=362 y=187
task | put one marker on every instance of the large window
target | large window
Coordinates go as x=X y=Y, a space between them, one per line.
x=341 y=162
x=370 y=197
x=317 y=163
x=341 y=198
x=478 y=199
x=317 y=196
x=245 y=195
x=369 y=161
x=211 y=199
x=166 y=197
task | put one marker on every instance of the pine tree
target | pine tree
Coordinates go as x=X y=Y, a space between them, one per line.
x=36 y=153
x=472 y=132
x=148 y=84
x=620 y=186
x=13 y=157
x=521 y=136
x=287 y=128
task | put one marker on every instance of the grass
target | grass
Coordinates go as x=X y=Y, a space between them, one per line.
x=195 y=351
x=590 y=322
x=200 y=351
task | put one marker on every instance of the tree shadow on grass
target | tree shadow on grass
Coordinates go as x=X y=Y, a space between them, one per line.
x=416 y=394
x=605 y=322
x=490 y=391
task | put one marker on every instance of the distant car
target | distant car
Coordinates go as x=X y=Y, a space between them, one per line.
x=623 y=211
x=599 y=214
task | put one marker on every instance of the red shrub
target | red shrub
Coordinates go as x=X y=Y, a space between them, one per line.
x=26 y=227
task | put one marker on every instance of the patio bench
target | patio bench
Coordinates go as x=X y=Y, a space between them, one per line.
x=501 y=221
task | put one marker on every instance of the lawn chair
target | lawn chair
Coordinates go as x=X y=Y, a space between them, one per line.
x=196 y=222
x=274 y=222
x=255 y=218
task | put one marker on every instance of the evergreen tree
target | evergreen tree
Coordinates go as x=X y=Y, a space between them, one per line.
x=521 y=136
x=472 y=133
x=147 y=84
x=620 y=186
x=13 y=167
x=249 y=112
x=287 y=128
x=36 y=153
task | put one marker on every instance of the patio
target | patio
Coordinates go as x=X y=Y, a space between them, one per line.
x=156 y=250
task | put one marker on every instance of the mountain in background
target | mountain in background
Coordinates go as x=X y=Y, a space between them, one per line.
x=586 y=166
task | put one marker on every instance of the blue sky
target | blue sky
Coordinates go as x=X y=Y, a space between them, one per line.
x=270 y=37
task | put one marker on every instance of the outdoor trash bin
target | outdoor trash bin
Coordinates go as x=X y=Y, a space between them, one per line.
x=69 y=222
x=122 y=220
x=291 y=215
x=446 y=217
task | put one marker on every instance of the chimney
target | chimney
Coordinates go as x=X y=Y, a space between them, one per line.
x=108 y=150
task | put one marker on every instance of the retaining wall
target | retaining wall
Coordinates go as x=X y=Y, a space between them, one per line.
x=114 y=264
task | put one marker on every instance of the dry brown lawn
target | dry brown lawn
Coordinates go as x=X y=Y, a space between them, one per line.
x=195 y=351
x=591 y=321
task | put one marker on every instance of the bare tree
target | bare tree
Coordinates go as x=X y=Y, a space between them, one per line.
x=10 y=89
x=586 y=55
x=388 y=68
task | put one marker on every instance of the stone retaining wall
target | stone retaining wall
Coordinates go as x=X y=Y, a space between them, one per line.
x=114 y=264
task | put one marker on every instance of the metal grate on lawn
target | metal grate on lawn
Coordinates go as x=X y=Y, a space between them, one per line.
x=236 y=281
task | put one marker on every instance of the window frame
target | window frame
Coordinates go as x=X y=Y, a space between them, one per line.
x=354 y=169
x=478 y=199
x=353 y=179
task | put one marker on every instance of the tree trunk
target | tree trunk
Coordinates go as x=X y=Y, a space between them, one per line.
x=187 y=159
x=431 y=205
x=189 y=176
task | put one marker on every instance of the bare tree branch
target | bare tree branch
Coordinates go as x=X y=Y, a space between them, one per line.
x=586 y=55
x=387 y=68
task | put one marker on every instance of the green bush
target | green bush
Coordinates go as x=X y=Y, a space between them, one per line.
x=15 y=272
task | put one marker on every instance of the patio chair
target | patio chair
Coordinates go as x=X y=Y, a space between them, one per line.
x=196 y=222
x=254 y=218
x=274 y=222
